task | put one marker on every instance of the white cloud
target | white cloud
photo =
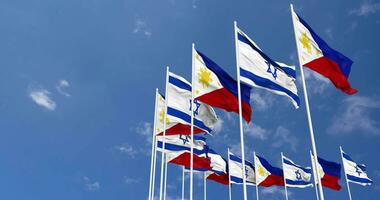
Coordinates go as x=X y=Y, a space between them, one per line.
x=41 y=97
x=283 y=137
x=194 y=4
x=356 y=116
x=141 y=27
x=262 y=101
x=91 y=185
x=316 y=83
x=328 y=32
x=62 y=84
x=126 y=149
x=218 y=126
x=271 y=191
x=129 y=180
x=256 y=131
x=366 y=8
x=145 y=129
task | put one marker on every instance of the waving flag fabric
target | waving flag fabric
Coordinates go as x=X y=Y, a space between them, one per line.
x=219 y=178
x=258 y=70
x=179 y=102
x=296 y=175
x=218 y=172
x=329 y=172
x=171 y=123
x=215 y=87
x=266 y=174
x=180 y=142
x=356 y=173
x=317 y=55
x=236 y=168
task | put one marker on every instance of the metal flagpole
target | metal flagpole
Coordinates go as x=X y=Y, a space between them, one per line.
x=152 y=161
x=240 y=113
x=314 y=148
x=229 y=176
x=314 y=175
x=192 y=122
x=345 y=174
x=166 y=175
x=286 y=190
x=183 y=183
x=164 y=134
x=154 y=167
x=257 y=185
x=204 y=186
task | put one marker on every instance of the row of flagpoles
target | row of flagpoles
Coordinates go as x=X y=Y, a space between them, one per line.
x=186 y=108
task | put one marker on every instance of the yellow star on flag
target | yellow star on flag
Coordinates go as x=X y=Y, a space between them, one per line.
x=305 y=42
x=204 y=77
x=162 y=115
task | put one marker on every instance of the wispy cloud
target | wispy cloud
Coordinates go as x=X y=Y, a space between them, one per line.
x=127 y=149
x=284 y=137
x=194 y=4
x=141 y=27
x=62 y=85
x=145 y=129
x=256 y=131
x=262 y=101
x=271 y=191
x=91 y=185
x=355 y=115
x=42 y=98
x=366 y=8
x=130 y=180
x=317 y=84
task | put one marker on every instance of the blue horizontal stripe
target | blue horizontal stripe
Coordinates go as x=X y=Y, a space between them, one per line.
x=329 y=167
x=359 y=180
x=347 y=157
x=245 y=40
x=187 y=118
x=305 y=169
x=226 y=80
x=179 y=83
x=239 y=180
x=292 y=182
x=174 y=147
x=263 y=82
x=237 y=159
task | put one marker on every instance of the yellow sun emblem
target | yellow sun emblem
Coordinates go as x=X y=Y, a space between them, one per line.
x=204 y=77
x=305 y=42
x=162 y=115
x=261 y=171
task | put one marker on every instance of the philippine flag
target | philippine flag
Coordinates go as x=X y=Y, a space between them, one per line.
x=329 y=173
x=317 y=55
x=215 y=87
x=266 y=174
x=179 y=109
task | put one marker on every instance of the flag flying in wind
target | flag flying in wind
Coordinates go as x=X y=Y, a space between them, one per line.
x=215 y=87
x=356 y=173
x=296 y=175
x=258 y=70
x=178 y=147
x=171 y=122
x=329 y=172
x=266 y=174
x=179 y=109
x=218 y=172
x=236 y=170
x=317 y=55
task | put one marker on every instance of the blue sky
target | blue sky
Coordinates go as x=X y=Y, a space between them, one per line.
x=77 y=88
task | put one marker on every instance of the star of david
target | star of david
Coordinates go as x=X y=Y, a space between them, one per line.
x=184 y=138
x=357 y=168
x=269 y=70
x=246 y=172
x=298 y=174
x=197 y=104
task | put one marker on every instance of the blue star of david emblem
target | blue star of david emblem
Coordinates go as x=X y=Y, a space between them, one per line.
x=184 y=138
x=197 y=104
x=298 y=174
x=269 y=70
x=246 y=172
x=358 y=170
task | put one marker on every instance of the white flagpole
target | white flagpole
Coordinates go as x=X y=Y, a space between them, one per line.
x=257 y=185
x=153 y=159
x=314 y=175
x=192 y=121
x=314 y=148
x=154 y=167
x=240 y=113
x=183 y=183
x=166 y=175
x=204 y=186
x=345 y=174
x=286 y=190
x=229 y=176
x=164 y=134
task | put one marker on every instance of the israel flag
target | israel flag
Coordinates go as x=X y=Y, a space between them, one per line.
x=258 y=70
x=295 y=175
x=356 y=173
x=235 y=170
